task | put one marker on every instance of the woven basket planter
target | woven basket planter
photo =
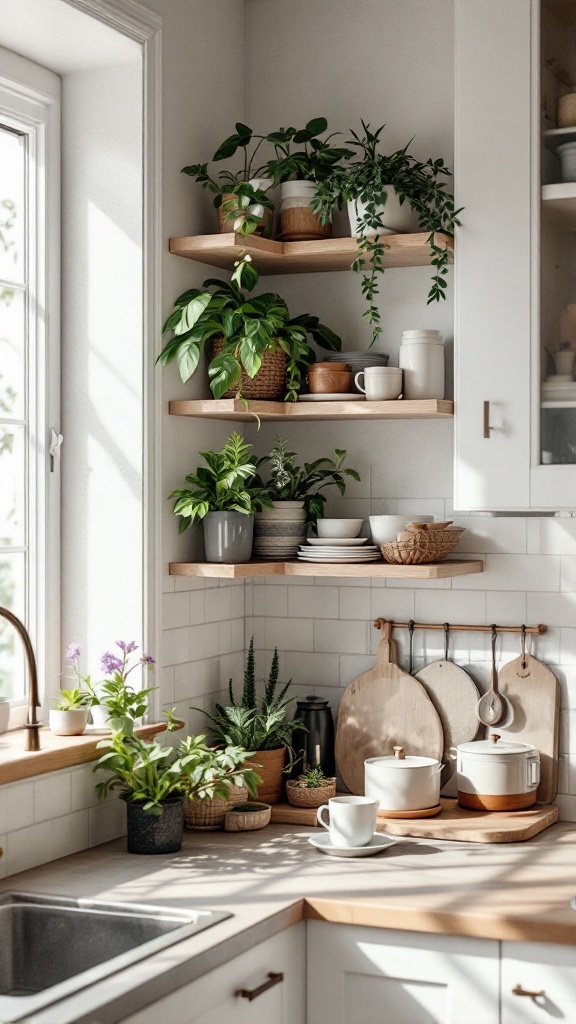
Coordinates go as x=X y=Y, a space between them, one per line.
x=208 y=815
x=270 y=767
x=270 y=381
x=306 y=796
x=421 y=547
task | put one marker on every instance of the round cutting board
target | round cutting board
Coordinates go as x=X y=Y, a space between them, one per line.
x=455 y=696
x=380 y=709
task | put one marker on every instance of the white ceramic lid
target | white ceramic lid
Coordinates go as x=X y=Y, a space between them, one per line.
x=411 y=761
x=495 y=747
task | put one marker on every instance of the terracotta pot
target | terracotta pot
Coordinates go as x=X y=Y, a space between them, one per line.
x=334 y=382
x=269 y=764
x=264 y=229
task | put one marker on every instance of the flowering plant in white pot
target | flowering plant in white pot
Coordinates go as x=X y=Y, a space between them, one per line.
x=112 y=696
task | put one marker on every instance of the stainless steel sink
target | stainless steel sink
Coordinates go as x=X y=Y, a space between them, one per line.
x=52 y=946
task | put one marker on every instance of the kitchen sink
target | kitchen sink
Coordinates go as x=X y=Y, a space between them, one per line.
x=52 y=946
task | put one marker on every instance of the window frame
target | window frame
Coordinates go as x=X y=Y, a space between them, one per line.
x=30 y=103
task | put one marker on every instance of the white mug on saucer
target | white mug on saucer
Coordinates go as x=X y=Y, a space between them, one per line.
x=352 y=820
x=381 y=383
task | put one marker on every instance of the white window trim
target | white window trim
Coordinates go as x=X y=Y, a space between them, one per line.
x=30 y=102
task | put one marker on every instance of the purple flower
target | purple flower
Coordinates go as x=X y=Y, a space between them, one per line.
x=110 y=663
x=72 y=652
x=147 y=659
x=127 y=648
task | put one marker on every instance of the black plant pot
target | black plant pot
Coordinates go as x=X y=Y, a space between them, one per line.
x=155 y=833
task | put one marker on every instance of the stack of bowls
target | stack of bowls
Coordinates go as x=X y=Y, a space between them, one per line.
x=358 y=361
x=330 y=378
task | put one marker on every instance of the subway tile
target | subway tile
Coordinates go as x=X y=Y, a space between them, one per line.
x=167 y=583
x=196 y=610
x=20 y=805
x=552 y=536
x=492 y=534
x=217 y=605
x=567 y=774
x=468 y=608
x=249 y=599
x=175 y=610
x=83 y=788
x=567 y=732
x=352 y=665
x=166 y=684
x=237 y=600
x=384 y=507
x=513 y=572
x=552 y=609
x=392 y=604
x=567 y=647
x=70 y=834
x=567 y=805
x=313 y=602
x=224 y=637
x=211 y=639
x=506 y=608
x=237 y=635
x=28 y=847
x=341 y=636
x=289 y=634
x=312 y=669
x=568 y=573
x=341 y=581
x=271 y=601
x=413 y=507
x=52 y=796
x=355 y=603
x=193 y=681
x=175 y=646
x=106 y=821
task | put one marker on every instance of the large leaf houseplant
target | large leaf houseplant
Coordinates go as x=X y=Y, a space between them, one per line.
x=387 y=194
x=261 y=351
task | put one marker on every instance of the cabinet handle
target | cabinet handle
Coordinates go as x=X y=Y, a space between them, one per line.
x=487 y=427
x=253 y=993
x=519 y=991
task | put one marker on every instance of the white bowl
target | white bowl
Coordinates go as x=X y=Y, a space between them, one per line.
x=385 y=528
x=339 y=527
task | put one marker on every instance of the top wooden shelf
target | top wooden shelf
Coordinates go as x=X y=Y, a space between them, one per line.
x=329 y=254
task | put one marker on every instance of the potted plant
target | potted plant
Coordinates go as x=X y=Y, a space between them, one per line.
x=214 y=780
x=310 y=789
x=239 y=196
x=295 y=498
x=261 y=726
x=298 y=172
x=259 y=350
x=113 y=697
x=150 y=782
x=223 y=501
x=385 y=195
x=69 y=717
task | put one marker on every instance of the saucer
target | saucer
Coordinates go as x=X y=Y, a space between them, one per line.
x=378 y=843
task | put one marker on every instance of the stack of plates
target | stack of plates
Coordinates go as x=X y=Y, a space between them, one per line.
x=349 y=549
x=559 y=388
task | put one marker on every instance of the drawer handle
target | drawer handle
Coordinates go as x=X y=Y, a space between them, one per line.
x=253 y=993
x=519 y=991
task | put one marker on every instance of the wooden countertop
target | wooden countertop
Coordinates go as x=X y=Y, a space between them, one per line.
x=270 y=879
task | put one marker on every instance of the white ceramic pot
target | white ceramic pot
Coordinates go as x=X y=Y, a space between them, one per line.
x=68 y=723
x=4 y=715
x=297 y=221
x=495 y=775
x=385 y=528
x=402 y=783
x=398 y=218
x=421 y=357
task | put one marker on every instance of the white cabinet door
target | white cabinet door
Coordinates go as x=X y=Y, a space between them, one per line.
x=215 y=998
x=537 y=968
x=368 y=976
x=492 y=178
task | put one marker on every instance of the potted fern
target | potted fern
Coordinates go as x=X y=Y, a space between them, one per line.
x=261 y=726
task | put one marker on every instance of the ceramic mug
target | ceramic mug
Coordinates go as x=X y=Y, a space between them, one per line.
x=352 y=820
x=381 y=383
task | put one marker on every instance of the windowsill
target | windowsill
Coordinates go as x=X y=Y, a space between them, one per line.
x=56 y=752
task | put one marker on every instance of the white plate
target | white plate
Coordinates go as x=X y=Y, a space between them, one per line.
x=329 y=550
x=344 y=542
x=352 y=397
x=338 y=560
x=378 y=843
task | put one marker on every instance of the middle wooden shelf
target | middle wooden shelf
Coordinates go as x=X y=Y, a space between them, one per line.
x=234 y=409
x=433 y=571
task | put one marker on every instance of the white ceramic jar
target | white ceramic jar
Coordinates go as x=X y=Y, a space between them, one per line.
x=402 y=783
x=567 y=154
x=421 y=358
x=398 y=218
x=494 y=775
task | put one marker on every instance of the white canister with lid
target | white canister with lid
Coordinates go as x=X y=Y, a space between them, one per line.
x=421 y=358
x=402 y=783
x=494 y=775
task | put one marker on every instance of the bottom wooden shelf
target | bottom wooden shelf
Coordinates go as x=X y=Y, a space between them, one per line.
x=433 y=571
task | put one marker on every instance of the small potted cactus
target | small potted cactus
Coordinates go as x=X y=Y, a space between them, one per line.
x=311 y=789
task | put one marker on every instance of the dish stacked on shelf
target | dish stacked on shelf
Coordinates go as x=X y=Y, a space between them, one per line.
x=344 y=549
x=559 y=388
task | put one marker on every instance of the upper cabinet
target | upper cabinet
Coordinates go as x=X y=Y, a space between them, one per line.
x=515 y=273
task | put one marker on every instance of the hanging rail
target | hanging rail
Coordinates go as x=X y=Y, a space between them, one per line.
x=537 y=630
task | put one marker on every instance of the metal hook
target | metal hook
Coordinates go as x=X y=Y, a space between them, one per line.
x=523 y=647
x=411 y=626
x=446 y=630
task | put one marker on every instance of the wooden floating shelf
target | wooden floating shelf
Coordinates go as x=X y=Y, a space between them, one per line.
x=561 y=199
x=327 y=254
x=232 y=409
x=434 y=571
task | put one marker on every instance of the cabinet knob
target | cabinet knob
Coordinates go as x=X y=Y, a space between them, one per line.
x=519 y=991
x=253 y=993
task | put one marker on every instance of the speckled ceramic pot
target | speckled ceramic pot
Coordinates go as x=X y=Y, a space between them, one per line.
x=155 y=833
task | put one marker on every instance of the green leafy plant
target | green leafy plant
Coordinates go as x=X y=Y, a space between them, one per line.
x=243 y=203
x=313 y=162
x=289 y=481
x=114 y=693
x=248 y=327
x=72 y=700
x=369 y=180
x=222 y=485
x=207 y=772
x=312 y=778
x=257 y=725
x=143 y=772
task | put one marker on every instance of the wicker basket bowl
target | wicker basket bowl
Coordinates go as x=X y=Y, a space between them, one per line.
x=247 y=817
x=208 y=815
x=567 y=110
x=421 y=546
x=270 y=381
x=306 y=796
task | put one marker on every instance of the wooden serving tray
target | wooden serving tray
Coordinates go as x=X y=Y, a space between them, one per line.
x=454 y=823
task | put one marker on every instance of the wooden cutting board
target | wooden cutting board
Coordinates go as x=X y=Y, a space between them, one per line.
x=380 y=709
x=534 y=693
x=455 y=696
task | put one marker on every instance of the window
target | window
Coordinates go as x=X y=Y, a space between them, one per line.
x=29 y=369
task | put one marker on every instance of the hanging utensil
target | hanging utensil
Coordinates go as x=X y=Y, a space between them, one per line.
x=492 y=708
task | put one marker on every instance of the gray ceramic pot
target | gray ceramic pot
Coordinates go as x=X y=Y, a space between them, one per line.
x=228 y=537
x=155 y=833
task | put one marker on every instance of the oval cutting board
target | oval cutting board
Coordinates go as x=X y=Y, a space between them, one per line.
x=455 y=696
x=380 y=709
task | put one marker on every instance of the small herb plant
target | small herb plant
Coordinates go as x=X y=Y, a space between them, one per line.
x=313 y=162
x=312 y=778
x=256 y=725
x=207 y=772
x=289 y=481
x=224 y=484
x=143 y=772
x=72 y=700
x=368 y=180
x=248 y=326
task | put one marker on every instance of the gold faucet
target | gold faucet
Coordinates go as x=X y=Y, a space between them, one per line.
x=32 y=726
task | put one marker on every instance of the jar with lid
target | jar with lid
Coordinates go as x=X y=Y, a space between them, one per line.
x=421 y=358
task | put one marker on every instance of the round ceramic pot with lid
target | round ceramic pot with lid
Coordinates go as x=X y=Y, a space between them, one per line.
x=401 y=783
x=494 y=775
